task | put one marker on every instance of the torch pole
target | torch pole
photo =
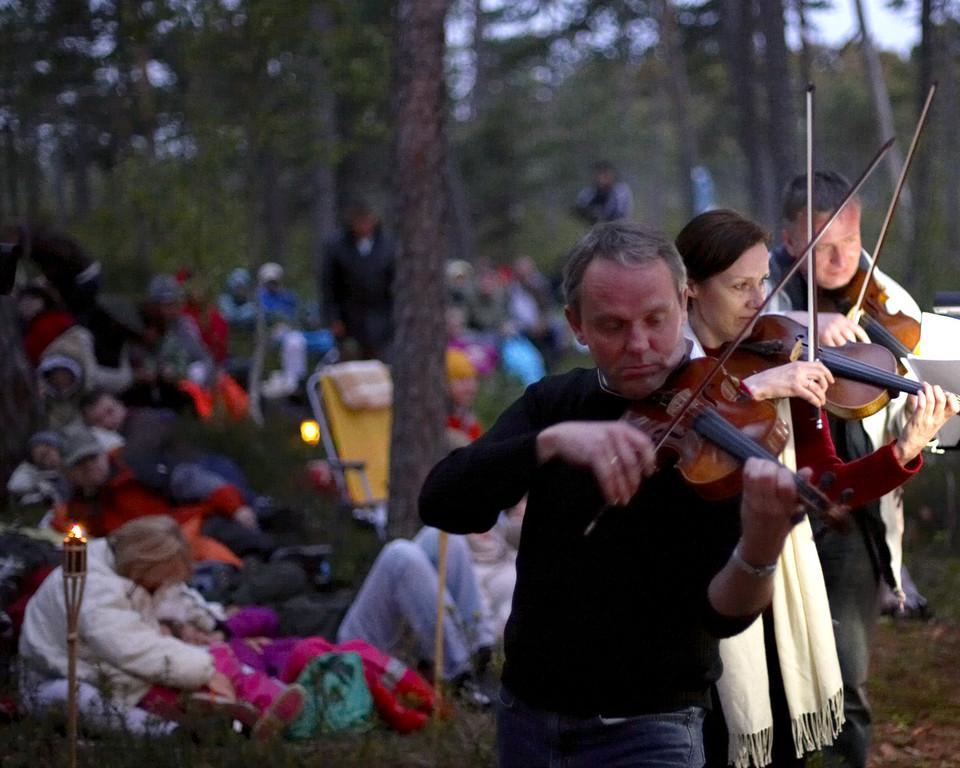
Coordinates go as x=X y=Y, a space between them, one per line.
x=74 y=580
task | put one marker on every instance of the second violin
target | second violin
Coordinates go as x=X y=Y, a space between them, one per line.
x=865 y=374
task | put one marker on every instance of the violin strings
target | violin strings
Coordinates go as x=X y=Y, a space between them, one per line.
x=866 y=373
x=879 y=332
x=717 y=429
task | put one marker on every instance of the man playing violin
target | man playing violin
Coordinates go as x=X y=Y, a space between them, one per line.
x=837 y=257
x=852 y=565
x=611 y=646
x=795 y=707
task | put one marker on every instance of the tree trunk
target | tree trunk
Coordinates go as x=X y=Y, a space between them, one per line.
x=11 y=168
x=80 y=169
x=738 y=51
x=480 y=93
x=59 y=170
x=419 y=402
x=33 y=175
x=881 y=105
x=324 y=173
x=951 y=144
x=461 y=227
x=18 y=402
x=781 y=124
x=271 y=206
x=674 y=74
x=923 y=198
x=806 y=56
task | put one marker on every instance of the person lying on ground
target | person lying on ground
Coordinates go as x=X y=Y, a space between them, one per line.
x=109 y=491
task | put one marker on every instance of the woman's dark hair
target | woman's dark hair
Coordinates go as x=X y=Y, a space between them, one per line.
x=714 y=240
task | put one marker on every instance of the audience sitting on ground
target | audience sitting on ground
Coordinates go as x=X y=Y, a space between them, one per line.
x=154 y=432
x=110 y=490
x=126 y=653
x=37 y=479
x=41 y=319
x=236 y=304
x=178 y=346
x=286 y=321
x=60 y=385
x=212 y=325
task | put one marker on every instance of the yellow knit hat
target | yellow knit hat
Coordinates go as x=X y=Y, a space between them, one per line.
x=459 y=365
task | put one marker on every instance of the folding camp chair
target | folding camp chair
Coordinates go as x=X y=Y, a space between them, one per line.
x=353 y=405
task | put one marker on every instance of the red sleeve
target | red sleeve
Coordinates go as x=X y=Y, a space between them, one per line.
x=216 y=334
x=870 y=477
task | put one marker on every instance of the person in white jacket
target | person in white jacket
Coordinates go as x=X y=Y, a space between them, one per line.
x=123 y=651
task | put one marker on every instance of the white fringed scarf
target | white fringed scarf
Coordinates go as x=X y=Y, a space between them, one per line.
x=807 y=651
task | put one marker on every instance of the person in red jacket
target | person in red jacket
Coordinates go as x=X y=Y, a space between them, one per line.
x=109 y=492
x=42 y=320
x=213 y=327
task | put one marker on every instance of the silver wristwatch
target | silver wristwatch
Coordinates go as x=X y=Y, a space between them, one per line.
x=757 y=571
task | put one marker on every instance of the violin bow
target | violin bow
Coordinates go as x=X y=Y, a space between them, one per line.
x=682 y=411
x=856 y=310
x=812 y=332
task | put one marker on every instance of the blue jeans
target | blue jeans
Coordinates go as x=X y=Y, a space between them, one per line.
x=534 y=738
x=401 y=592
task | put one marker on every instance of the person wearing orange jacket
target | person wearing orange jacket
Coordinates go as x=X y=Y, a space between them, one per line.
x=108 y=492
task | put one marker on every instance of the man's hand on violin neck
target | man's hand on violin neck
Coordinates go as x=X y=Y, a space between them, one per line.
x=932 y=408
x=835 y=329
x=767 y=511
x=619 y=455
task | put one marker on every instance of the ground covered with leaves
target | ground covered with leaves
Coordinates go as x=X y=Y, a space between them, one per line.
x=916 y=693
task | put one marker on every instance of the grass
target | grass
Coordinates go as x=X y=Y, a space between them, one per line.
x=465 y=741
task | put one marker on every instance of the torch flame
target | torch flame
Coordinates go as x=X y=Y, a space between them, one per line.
x=76 y=532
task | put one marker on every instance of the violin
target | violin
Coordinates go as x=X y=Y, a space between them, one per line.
x=865 y=374
x=896 y=331
x=718 y=433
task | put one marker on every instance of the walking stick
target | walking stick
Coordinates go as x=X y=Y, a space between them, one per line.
x=74 y=579
x=441 y=613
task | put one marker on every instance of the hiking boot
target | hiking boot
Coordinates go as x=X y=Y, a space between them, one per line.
x=282 y=712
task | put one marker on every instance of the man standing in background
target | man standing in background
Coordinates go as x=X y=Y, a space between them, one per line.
x=607 y=199
x=357 y=284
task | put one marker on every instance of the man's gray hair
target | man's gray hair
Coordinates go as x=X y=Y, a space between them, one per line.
x=626 y=243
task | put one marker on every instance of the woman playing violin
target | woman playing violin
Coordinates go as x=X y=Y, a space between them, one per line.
x=727 y=265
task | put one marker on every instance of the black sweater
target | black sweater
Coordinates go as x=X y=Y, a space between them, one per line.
x=616 y=623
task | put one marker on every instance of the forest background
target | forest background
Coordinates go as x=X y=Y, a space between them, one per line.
x=217 y=133
x=221 y=133
x=211 y=134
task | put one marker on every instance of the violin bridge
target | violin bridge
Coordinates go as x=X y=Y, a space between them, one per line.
x=730 y=389
x=678 y=401
x=797 y=352
x=781 y=432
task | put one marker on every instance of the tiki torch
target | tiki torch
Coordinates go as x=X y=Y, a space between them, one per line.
x=74 y=579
